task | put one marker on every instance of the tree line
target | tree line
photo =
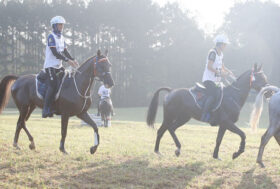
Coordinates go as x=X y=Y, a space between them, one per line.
x=149 y=46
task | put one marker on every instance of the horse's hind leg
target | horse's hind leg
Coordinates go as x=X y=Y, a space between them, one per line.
x=160 y=133
x=265 y=138
x=179 y=122
x=277 y=137
x=32 y=144
x=31 y=109
x=20 y=124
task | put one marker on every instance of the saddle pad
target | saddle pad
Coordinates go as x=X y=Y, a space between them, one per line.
x=200 y=97
x=41 y=88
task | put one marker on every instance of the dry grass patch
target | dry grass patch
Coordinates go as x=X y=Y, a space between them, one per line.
x=125 y=158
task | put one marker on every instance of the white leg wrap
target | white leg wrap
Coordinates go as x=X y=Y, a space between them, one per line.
x=95 y=139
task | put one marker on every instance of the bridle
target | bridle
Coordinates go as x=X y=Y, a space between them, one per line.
x=90 y=81
x=252 y=78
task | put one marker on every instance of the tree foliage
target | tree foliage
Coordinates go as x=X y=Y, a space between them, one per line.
x=149 y=46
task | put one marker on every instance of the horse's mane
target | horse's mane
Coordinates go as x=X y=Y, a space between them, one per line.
x=232 y=87
x=92 y=57
x=243 y=74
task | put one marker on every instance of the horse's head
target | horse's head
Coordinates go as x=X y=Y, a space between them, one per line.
x=258 y=79
x=102 y=69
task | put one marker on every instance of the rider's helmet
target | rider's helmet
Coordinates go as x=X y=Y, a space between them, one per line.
x=221 y=39
x=57 y=20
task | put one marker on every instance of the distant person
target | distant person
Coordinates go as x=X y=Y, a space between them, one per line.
x=104 y=93
x=56 y=52
x=213 y=72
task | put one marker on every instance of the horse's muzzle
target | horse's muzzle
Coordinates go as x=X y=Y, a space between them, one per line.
x=108 y=80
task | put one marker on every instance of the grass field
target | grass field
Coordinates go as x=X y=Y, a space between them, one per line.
x=125 y=157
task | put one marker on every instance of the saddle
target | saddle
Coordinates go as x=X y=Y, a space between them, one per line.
x=198 y=93
x=41 y=83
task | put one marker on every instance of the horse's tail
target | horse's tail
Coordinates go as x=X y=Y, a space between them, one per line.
x=258 y=106
x=152 y=111
x=5 y=86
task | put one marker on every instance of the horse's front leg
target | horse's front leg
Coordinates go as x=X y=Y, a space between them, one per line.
x=64 y=125
x=219 y=139
x=86 y=118
x=233 y=128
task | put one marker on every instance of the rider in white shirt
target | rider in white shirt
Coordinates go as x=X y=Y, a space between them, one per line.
x=213 y=72
x=104 y=93
x=56 y=52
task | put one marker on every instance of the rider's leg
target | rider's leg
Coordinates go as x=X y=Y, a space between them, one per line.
x=206 y=109
x=211 y=93
x=49 y=98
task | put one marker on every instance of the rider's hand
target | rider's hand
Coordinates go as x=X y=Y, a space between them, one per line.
x=76 y=64
x=224 y=74
x=218 y=74
x=228 y=74
x=231 y=75
x=73 y=63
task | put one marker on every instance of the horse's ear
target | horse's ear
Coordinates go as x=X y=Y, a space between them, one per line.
x=106 y=52
x=98 y=52
x=260 y=68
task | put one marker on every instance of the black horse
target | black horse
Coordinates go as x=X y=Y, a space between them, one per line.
x=179 y=107
x=106 y=110
x=74 y=98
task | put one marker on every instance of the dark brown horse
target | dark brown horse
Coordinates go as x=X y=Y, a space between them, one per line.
x=74 y=98
x=179 y=107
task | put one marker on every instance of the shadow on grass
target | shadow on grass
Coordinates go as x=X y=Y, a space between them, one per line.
x=248 y=180
x=133 y=173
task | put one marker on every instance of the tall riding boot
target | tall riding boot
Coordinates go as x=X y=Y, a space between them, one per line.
x=47 y=112
x=46 y=108
x=205 y=117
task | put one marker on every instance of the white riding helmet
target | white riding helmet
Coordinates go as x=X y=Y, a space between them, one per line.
x=221 y=39
x=57 y=20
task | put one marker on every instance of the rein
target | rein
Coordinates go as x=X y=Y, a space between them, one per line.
x=252 y=78
x=77 y=89
x=83 y=96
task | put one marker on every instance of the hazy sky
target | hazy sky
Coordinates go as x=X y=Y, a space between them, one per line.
x=209 y=14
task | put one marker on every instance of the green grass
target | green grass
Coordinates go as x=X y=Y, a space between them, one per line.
x=125 y=157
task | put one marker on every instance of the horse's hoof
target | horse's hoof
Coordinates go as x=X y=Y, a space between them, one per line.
x=177 y=152
x=261 y=164
x=63 y=151
x=157 y=152
x=235 y=155
x=93 y=149
x=16 y=146
x=32 y=146
x=217 y=158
